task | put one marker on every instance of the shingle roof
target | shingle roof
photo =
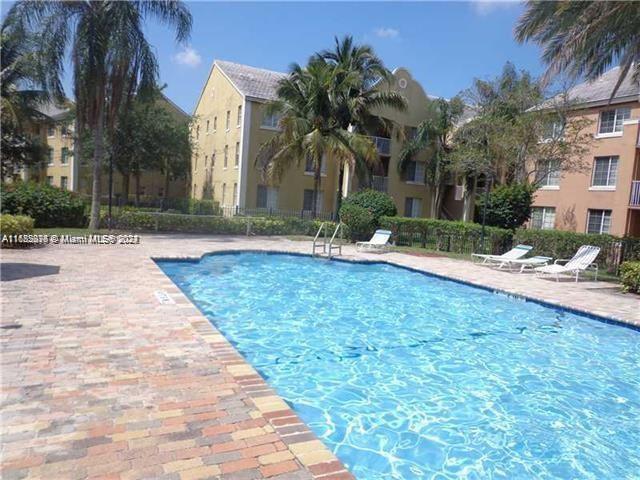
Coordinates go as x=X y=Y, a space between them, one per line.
x=251 y=81
x=600 y=90
x=53 y=110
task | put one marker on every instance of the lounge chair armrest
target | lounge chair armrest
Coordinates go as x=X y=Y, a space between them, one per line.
x=561 y=260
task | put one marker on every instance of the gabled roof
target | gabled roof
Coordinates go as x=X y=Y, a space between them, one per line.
x=599 y=91
x=252 y=82
x=53 y=110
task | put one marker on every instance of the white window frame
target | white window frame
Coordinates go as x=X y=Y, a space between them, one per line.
x=271 y=197
x=615 y=133
x=416 y=207
x=319 y=201
x=225 y=164
x=323 y=167
x=606 y=187
x=270 y=122
x=215 y=123
x=64 y=182
x=236 y=160
x=50 y=161
x=546 y=212
x=239 y=120
x=545 y=185
x=605 y=213
x=418 y=174
x=228 y=121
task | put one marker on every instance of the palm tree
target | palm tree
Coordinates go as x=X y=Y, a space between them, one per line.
x=110 y=55
x=433 y=136
x=584 y=38
x=310 y=129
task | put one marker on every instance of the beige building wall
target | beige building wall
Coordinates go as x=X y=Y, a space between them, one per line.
x=575 y=194
x=57 y=171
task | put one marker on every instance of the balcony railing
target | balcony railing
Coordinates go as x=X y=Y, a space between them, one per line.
x=383 y=145
x=634 y=201
x=380 y=184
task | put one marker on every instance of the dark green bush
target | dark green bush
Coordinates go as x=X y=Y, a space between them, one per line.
x=48 y=206
x=630 y=276
x=445 y=235
x=202 y=207
x=359 y=221
x=163 y=222
x=378 y=203
x=508 y=206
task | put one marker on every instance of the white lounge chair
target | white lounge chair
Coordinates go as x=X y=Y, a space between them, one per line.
x=581 y=261
x=532 y=262
x=378 y=243
x=515 y=253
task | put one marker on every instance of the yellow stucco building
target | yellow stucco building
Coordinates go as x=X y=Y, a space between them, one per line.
x=231 y=123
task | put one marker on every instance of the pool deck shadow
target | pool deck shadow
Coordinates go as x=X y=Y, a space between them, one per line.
x=102 y=380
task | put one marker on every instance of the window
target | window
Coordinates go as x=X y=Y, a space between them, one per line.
x=543 y=218
x=64 y=182
x=226 y=155
x=228 y=119
x=64 y=157
x=548 y=174
x=598 y=221
x=215 y=123
x=49 y=180
x=412 y=207
x=267 y=197
x=237 y=159
x=213 y=159
x=64 y=130
x=224 y=194
x=234 y=201
x=611 y=120
x=206 y=159
x=195 y=189
x=50 y=156
x=197 y=132
x=553 y=130
x=239 y=115
x=308 y=166
x=605 y=172
x=410 y=133
x=207 y=126
x=51 y=131
x=270 y=120
x=307 y=201
x=195 y=165
x=415 y=172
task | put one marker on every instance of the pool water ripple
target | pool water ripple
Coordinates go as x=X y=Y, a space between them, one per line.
x=405 y=375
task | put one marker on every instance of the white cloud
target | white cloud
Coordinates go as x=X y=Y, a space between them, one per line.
x=189 y=57
x=486 y=7
x=386 y=32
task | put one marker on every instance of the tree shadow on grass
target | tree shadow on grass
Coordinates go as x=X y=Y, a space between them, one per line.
x=20 y=271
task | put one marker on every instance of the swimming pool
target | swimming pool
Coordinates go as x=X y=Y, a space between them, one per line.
x=404 y=375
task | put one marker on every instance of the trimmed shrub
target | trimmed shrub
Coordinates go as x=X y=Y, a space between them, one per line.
x=48 y=206
x=561 y=244
x=630 y=276
x=163 y=222
x=508 y=206
x=359 y=221
x=378 y=203
x=445 y=235
x=14 y=225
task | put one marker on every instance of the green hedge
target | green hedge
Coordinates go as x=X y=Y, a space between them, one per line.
x=14 y=225
x=48 y=206
x=445 y=235
x=163 y=222
x=630 y=276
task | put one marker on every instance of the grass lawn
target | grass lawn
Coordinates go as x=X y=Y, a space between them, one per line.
x=74 y=231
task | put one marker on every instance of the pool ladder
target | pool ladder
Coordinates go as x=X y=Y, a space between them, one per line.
x=321 y=240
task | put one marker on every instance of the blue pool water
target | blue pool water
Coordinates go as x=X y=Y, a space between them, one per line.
x=407 y=376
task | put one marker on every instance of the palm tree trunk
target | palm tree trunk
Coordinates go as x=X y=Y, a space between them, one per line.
x=316 y=188
x=98 y=152
x=125 y=187
x=137 y=175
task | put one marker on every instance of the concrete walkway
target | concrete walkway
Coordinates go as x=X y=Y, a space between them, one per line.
x=100 y=379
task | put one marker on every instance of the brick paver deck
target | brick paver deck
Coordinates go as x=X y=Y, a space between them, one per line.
x=102 y=380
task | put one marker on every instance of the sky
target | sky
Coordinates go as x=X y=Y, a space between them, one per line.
x=445 y=45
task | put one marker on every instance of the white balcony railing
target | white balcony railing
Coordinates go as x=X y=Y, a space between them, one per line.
x=383 y=145
x=634 y=201
x=380 y=184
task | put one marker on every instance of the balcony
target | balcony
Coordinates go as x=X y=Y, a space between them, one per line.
x=634 y=201
x=383 y=145
x=381 y=184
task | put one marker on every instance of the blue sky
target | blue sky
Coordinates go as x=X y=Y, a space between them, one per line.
x=444 y=44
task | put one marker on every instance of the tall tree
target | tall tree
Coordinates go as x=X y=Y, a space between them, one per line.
x=433 y=136
x=110 y=55
x=583 y=39
x=309 y=126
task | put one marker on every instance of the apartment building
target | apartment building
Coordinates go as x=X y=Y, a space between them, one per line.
x=56 y=130
x=605 y=196
x=231 y=123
